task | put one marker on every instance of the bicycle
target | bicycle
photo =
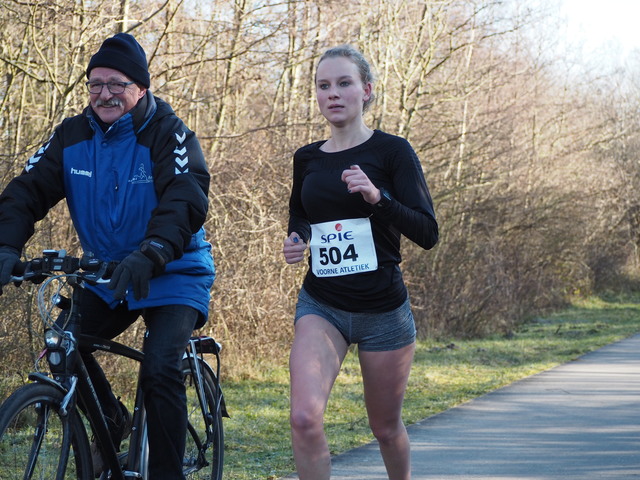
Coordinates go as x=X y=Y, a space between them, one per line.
x=43 y=424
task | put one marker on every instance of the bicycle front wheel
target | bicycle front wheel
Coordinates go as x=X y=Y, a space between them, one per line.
x=37 y=441
x=204 y=452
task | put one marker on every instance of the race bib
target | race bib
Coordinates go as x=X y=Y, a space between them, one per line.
x=342 y=247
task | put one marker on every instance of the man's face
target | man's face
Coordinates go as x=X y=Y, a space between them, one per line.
x=109 y=106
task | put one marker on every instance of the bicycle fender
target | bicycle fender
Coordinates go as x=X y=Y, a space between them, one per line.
x=206 y=366
x=42 y=378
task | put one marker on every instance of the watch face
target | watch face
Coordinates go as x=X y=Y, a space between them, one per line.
x=385 y=198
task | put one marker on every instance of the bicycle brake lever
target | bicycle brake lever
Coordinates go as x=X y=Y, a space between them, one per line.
x=93 y=278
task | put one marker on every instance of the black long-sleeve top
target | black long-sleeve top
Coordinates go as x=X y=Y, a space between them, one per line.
x=318 y=195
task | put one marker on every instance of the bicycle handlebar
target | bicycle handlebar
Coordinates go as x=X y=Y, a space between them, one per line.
x=52 y=262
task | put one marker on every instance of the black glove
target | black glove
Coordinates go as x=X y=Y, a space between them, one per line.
x=139 y=267
x=9 y=258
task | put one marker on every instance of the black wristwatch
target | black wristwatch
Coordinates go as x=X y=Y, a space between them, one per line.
x=385 y=199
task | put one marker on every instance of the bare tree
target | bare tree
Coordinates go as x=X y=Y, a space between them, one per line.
x=533 y=171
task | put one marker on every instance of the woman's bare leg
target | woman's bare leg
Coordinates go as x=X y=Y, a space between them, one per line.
x=385 y=376
x=316 y=356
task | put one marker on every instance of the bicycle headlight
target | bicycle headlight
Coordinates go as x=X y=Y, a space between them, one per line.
x=52 y=338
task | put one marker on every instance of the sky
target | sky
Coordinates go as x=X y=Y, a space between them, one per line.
x=600 y=24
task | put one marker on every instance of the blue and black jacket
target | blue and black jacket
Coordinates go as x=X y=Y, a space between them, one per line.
x=142 y=177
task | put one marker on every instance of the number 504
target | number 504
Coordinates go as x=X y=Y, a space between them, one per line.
x=334 y=256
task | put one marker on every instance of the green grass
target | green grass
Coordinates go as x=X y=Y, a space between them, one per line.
x=446 y=373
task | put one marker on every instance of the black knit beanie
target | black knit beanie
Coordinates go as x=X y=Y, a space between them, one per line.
x=123 y=53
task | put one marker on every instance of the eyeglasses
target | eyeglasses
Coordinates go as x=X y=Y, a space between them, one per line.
x=114 y=88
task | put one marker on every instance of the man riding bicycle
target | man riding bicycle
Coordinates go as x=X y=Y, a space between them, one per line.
x=136 y=184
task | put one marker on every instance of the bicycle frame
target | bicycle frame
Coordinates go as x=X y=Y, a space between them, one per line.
x=196 y=347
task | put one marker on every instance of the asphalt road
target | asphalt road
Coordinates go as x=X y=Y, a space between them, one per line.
x=580 y=420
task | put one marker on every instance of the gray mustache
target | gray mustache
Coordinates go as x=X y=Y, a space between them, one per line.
x=113 y=102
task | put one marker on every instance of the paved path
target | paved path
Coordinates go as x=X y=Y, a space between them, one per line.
x=577 y=421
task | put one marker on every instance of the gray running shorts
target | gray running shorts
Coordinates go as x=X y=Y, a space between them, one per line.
x=373 y=332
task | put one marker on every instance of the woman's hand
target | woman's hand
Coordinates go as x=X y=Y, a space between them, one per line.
x=357 y=181
x=294 y=248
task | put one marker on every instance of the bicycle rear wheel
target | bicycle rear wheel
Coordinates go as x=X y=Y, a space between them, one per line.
x=37 y=442
x=204 y=453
